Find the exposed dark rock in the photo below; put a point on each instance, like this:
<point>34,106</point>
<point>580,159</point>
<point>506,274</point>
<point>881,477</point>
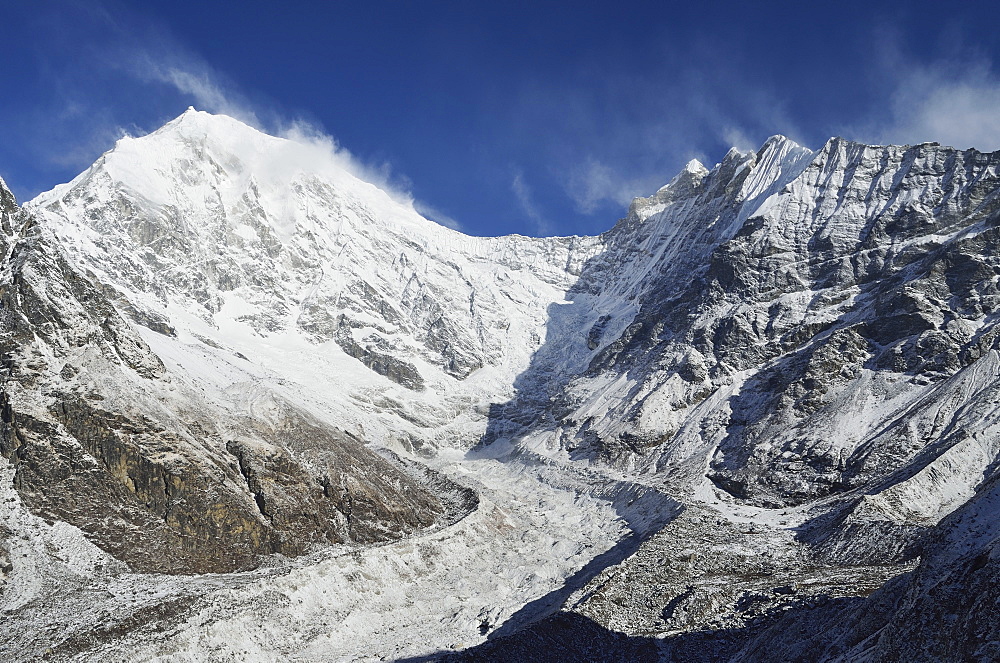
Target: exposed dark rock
<point>383,363</point>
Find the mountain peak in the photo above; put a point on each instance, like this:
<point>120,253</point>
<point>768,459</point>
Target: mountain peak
<point>695,167</point>
<point>199,156</point>
<point>223,129</point>
<point>779,140</point>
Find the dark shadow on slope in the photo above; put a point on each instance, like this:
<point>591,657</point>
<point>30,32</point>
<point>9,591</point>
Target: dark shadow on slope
<point>565,636</point>
<point>595,331</point>
<point>546,375</point>
<point>644,510</point>
<point>803,632</point>
<point>583,339</point>
<point>831,531</point>
<point>545,606</point>
<point>570,328</point>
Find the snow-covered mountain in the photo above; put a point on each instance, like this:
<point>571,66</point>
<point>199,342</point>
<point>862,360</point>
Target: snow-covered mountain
<point>100,433</point>
<point>220,235</point>
<point>761,395</point>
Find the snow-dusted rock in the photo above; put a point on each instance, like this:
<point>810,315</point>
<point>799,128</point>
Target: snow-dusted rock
<point>101,434</point>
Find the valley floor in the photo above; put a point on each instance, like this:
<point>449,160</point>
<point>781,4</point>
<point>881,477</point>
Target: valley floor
<point>543,537</point>
<point>538,533</point>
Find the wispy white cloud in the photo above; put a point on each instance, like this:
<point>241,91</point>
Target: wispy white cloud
<point>436,215</point>
<point>323,149</point>
<point>525,198</point>
<point>109,67</point>
<point>957,104</point>
<point>614,135</point>
<point>80,151</point>
<point>951,97</point>
<point>203,87</point>
<point>593,182</point>
<point>737,137</point>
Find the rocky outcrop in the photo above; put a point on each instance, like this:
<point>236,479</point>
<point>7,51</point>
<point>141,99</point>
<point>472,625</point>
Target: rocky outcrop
<point>132,489</point>
<point>384,363</point>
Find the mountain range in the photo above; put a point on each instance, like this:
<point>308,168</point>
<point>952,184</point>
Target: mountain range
<point>255,408</point>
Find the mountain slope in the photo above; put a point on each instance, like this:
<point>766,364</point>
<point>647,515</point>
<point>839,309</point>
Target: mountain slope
<point>102,435</point>
<point>812,357</point>
<point>268,247</point>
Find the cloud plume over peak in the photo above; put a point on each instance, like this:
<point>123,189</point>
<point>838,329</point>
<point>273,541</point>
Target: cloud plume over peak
<point>525,198</point>
<point>153,77</point>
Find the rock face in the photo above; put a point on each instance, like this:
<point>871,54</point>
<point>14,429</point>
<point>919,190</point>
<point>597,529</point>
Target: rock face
<point>814,333</point>
<point>100,435</point>
<point>816,287</point>
<point>790,357</point>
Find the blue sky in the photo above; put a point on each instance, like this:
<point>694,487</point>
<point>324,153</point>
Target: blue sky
<point>529,117</point>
